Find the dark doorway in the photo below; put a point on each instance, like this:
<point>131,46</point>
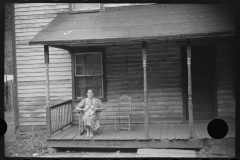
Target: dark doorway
<point>203,81</point>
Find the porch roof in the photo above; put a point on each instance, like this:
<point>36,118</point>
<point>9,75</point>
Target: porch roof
<point>139,23</point>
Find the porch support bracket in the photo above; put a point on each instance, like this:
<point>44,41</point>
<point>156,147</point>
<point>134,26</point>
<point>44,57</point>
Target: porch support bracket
<point>190,105</point>
<point>144,56</point>
<point>48,114</point>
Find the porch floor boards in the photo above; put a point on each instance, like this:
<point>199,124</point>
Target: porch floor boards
<point>156,131</point>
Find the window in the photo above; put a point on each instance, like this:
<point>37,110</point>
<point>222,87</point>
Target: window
<point>89,73</point>
<point>84,7</point>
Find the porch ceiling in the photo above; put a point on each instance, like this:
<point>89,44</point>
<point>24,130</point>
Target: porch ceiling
<point>153,22</point>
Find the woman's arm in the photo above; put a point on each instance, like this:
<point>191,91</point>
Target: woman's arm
<point>99,105</point>
<point>80,105</point>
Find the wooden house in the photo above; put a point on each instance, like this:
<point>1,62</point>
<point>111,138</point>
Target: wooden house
<point>176,61</point>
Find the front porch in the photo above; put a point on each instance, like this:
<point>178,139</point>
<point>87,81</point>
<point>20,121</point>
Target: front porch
<point>164,135</point>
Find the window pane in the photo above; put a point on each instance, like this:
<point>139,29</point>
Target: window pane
<point>93,59</point>
<point>88,81</point>
<point>98,86</point>
<point>88,65</point>
<point>98,81</point>
<point>80,92</point>
<point>97,69</point>
<point>98,92</point>
<point>80,81</point>
<point>79,59</point>
<point>80,70</point>
<point>89,69</point>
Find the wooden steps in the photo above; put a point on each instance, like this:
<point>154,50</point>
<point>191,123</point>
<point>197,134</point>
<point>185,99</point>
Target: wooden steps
<point>165,153</point>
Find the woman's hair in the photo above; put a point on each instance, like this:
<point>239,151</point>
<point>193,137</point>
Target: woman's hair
<point>90,90</point>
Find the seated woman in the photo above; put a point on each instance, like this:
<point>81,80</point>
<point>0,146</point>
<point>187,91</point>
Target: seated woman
<point>90,105</point>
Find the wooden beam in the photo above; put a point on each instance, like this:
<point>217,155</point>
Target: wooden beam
<point>46,54</point>
<point>61,47</point>
<point>191,143</point>
<point>73,76</point>
<point>215,102</point>
<point>15,86</point>
<point>233,61</point>
<point>190,106</point>
<point>184,82</point>
<point>144,56</point>
<point>48,114</point>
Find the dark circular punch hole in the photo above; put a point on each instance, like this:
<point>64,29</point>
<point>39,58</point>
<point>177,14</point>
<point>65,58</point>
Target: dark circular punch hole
<point>217,128</point>
<point>3,125</point>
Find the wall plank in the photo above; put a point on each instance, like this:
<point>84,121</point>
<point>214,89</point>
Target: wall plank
<point>226,101</point>
<point>30,19</point>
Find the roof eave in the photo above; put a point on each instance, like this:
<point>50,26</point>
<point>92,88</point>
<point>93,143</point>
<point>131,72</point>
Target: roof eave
<point>130,39</point>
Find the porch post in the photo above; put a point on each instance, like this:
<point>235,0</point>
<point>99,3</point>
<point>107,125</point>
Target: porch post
<point>144,55</point>
<point>48,114</point>
<point>190,106</point>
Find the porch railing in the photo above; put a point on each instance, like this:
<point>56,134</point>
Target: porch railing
<point>58,116</point>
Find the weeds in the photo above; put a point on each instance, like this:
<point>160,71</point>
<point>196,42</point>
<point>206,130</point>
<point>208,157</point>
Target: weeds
<point>36,145</point>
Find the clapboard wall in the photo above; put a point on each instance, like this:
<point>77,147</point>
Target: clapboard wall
<point>224,75</point>
<point>124,70</point>
<point>225,98</point>
<point>124,73</point>
<point>30,18</point>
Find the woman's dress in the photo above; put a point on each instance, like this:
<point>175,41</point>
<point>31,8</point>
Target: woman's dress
<point>90,117</point>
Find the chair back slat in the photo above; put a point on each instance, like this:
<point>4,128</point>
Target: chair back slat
<point>125,104</point>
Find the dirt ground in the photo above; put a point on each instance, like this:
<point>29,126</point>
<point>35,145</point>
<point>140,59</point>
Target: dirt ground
<point>9,118</point>
<point>13,145</point>
<point>32,147</point>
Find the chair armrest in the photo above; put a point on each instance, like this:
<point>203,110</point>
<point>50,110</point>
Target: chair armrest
<point>80,112</point>
<point>100,109</point>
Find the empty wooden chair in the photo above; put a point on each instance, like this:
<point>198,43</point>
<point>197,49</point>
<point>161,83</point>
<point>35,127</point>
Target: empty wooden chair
<point>124,111</point>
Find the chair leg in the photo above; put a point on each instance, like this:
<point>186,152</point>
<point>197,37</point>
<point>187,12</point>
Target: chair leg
<point>129,123</point>
<point>115,123</point>
<point>79,124</point>
<point>99,130</point>
<point>79,129</point>
<point>119,124</point>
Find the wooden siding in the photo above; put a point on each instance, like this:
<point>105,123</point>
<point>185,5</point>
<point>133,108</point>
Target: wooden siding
<point>164,81</point>
<point>124,69</point>
<point>225,99</point>
<point>29,20</point>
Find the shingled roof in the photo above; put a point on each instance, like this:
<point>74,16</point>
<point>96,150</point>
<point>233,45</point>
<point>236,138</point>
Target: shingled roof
<point>160,21</point>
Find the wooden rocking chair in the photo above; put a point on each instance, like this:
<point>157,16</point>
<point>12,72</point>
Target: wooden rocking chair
<point>81,126</point>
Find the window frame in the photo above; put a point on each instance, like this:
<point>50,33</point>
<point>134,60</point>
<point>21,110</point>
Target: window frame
<point>70,7</point>
<point>87,50</point>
